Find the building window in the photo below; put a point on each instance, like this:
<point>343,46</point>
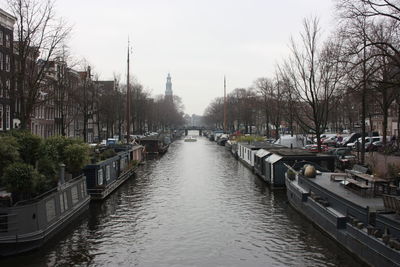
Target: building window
<point>8,40</point>
<point>8,63</point>
<point>1,61</point>
<point>1,38</point>
<point>1,88</point>
<point>1,117</point>
<point>8,117</point>
<point>7,88</point>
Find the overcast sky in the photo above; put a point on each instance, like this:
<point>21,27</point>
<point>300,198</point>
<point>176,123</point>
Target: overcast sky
<point>197,41</point>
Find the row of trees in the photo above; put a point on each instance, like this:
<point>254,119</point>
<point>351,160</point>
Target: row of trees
<point>338,82</point>
<point>41,65</point>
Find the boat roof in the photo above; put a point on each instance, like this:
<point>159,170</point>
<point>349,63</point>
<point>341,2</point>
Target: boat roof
<point>259,145</point>
<point>273,158</point>
<point>262,153</point>
<point>324,180</point>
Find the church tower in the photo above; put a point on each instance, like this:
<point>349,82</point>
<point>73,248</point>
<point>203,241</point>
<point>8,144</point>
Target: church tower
<point>168,89</point>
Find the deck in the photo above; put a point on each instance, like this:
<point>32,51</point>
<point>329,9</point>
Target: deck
<point>324,181</point>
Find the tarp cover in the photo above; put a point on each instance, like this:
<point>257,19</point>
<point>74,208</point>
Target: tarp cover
<point>273,158</point>
<point>261,153</point>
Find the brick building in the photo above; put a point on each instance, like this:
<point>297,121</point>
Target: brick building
<point>6,70</point>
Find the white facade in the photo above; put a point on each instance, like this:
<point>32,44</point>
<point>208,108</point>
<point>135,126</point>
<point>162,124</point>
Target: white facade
<point>246,154</point>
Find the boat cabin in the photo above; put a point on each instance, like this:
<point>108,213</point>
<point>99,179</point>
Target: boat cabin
<point>272,167</point>
<point>246,151</point>
<point>155,144</point>
<point>105,176</point>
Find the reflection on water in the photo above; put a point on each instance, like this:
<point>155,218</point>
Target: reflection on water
<point>195,206</point>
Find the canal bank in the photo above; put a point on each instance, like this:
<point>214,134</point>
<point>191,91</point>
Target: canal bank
<point>195,206</point>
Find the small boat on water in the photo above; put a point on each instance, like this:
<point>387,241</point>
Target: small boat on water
<point>190,139</point>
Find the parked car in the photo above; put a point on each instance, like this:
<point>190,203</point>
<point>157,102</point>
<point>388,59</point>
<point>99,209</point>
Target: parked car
<point>330,141</point>
<point>314,148</point>
<point>344,158</point>
<point>368,142</point>
<point>375,146</point>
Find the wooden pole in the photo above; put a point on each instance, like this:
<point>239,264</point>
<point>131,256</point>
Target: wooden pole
<point>128,102</point>
<point>224,104</point>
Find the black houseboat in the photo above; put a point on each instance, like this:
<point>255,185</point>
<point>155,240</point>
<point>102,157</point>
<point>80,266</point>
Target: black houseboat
<point>107,175</point>
<point>155,144</point>
<point>269,164</point>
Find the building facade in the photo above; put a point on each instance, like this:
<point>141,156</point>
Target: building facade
<point>7,22</point>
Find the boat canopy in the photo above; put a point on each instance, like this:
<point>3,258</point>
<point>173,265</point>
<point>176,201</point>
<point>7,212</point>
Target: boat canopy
<point>262,153</point>
<point>273,158</point>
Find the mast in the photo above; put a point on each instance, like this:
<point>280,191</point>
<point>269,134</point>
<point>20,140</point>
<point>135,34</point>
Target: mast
<point>128,102</point>
<point>224,104</point>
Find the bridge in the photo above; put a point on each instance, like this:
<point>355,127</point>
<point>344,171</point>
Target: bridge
<point>194,128</point>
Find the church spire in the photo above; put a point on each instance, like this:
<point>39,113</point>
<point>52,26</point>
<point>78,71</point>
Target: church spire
<point>168,88</point>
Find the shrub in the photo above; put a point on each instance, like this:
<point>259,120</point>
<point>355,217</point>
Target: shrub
<point>28,146</point>
<point>49,168</point>
<point>8,151</point>
<point>108,153</point>
<point>76,156</point>
<point>18,178</point>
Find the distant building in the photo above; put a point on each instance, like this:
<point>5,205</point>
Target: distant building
<point>168,89</point>
<point>7,22</point>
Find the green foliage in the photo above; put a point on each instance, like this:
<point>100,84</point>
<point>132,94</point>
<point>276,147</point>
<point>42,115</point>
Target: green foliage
<point>250,138</point>
<point>8,151</point>
<point>54,147</point>
<point>48,168</point>
<point>19,178</point>
<point>108,153</point>
<point>28,146</point>
<point>76,156</point>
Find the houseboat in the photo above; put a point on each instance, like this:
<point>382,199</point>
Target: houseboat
<point>246,151</point>
<point>105,176</point>
<point>269,164</point>
<point>357,210</point>
<point>27,225</point>
<point>155,144</point>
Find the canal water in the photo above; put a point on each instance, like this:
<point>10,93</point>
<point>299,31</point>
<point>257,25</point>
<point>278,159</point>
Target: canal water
<point>195,206</point>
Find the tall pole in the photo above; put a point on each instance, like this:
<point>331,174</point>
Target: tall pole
<point>128,102</point>
<point>224,104</point>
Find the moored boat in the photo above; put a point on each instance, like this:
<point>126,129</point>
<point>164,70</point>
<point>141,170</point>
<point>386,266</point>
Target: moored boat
<point>356,210</point>
<point>105,176</point>
<point>190,139</point>
<point>28,224</point>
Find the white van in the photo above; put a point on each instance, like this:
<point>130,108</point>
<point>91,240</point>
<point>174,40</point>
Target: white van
<point>291,141</point>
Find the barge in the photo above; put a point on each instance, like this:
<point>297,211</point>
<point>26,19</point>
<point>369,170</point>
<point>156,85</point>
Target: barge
<point>104,177</point>
<point>269,164</point>
<point>155,144</point>
<point>359,211</point>
<point>27,225</point>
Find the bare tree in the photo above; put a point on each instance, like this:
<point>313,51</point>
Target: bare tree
<point>314,71</point>
<point>39,35</point>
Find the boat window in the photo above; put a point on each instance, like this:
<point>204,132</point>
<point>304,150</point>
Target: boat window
<point>62,207</point>
<point>65,200</point>
<point>50,210</point>
<point>100,177</point>
<point>82,189</point>
<point>3,222</point>
<point>108,172</point>
<point>74,195</point>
